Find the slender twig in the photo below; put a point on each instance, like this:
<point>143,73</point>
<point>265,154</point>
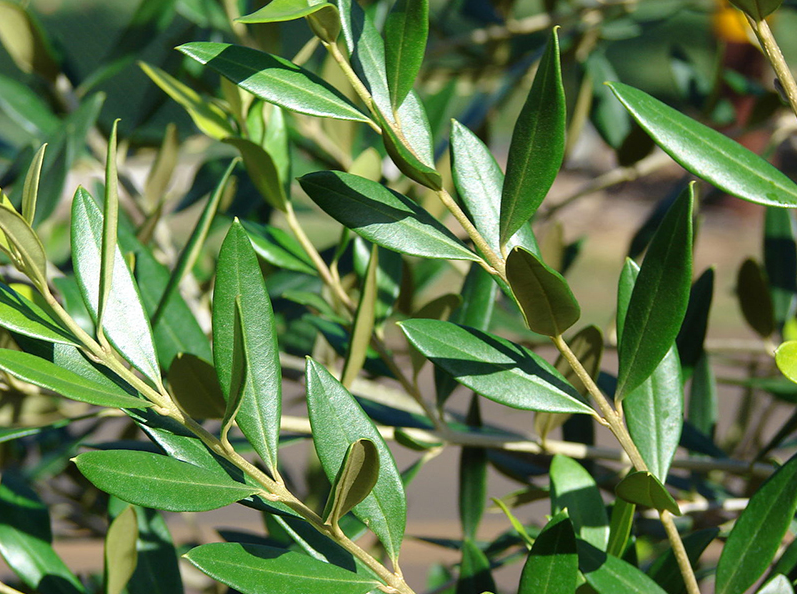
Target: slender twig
<point>6,589</point>
<point>776,60</point>
<point>680,553</point>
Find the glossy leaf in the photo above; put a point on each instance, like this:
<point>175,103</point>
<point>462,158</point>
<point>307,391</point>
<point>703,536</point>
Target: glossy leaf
<point>573,488</point>
<point>279,11</point>
<point>780,584</point>
<point>382,216</point>
<point>30,190</point>
<point>363,326</point>
<point>238,273</point>
<point>337,421</point>
<point>755,300</point>
<point>45,374</point>
<point>357,476</point>
<point>538,144</point>
<point>27,252</point>
<point>659,299</point>
<point>707,153</point>
<point>406,30</point>
<point>780,260</point>
<point>125,323</point>
<point>479,180</point>
<point>493,367</point>
<point>757,9</point>
<point>121,555</point>
<point>643,488</point>
<point>246,567</point>
<point>206,115</point>
<point>786,359</point>
<point>545,298</point>
<point>160,482</point>
<point>405,157</point>
<point>274,80</point>
<point>757,534</point>
<point>262,170</point>
<point>608,575</point>
<point>279,248</point>
<point>474,570</point>
<point>193,383</point>
<point>622,520</point>
<point>472,477</point>
<point>552,564</point>
<point>20,315</point>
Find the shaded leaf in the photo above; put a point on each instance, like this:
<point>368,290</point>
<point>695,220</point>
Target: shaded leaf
<point>609,575</point>
<point>693,330</point>
<point>357,476</point>
<point>755,300</point>
<point>474,571</point>
<point>406,30</point>
<point>363,326</point>
<point>664,570</point>
<point>552,564</point>
<point>262,170</point>
<point>27,252</point>
<point>121,555</point>
<point>472,478</point>
<point>780,261</point>
<point>194,385</point>
<point>643,488</point>
<point>620,525</point>
<point>279,248</point>
<point>757,9</point>
<point>573,488</point>
<point>30,190</point>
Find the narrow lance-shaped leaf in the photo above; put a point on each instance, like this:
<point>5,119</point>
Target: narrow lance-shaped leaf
<point>406,30</point>
<point>475,576</point>
<point>400,146</point>
<point>356,478</point>
<point>757,9</point>
<point>163,168</point>
<point>573,488</point>
<point>363,323</point>
<point>25,41</point>
<point>246,567</point>
<point>645,489</point>
<point>337,421</point>
<point>659,299</point>
<point>383,216</point>
<point>160,482</point>
<point>30,190</point>
<point>239,375</point>
<point>538,144</point>
<point>238,274</point>
<point>125,324</point>
<point>322,16</point>
<point>262,170</point>
<point>23,316</point>
<point>755,300</point>
<point>622,520</point>
<point>608,574</point>
<point>121,555</point>
<point>274,79</point>
<point>545,298</point>
<point>692,334</point>
<point>26,250</point>
<point>707,153</point>
<point>780,261</point>
<point>110,224</point>
<point>779,584</point>
<point>552,564</point>
<point>472,477</point>
<point>758,532</point>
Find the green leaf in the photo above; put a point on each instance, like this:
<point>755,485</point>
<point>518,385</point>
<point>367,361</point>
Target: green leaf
<point>125,323</point>
<point>404,155</point>
<point>193,383</point>
<point>25,42</point>
<point>363,326</point>
<point>655,409</point>
<point>28,110</point>
<point>25,317</point>
<point>388,278</point>
<point>274,80</point>
<point>279,248</point>
<point>160,482</point>
<point>573,488</point>
<point>664,570</point>
<point>755,300</point>
<point>757,9</point>
<point>337,421</point>
<point>780,261</point>
<point>643,488</point>
<point>25,540</point>
<point>322,16</point>
<point>472,477</point>
<point>406,30</point>
<point>693,330</point>
<point>479,180</point>
<point>493,367</point>
<point>545,298</point>
<point>707,153</point>
<point>474,571</point>
<point>110,225</point>
<point>382,216</point>
<point>121,556</point>
<point>160,175</point>
<point>27,252</point>
<point>239,370</point>
<point>552,564</point>
<point>246,567</point>
<point>538,144</point>
<point>703,408</point>
<point>45,374</point>
<point>206,115</point>
<point>620,525</point>
<point>517,524</point>
<point>30,190</point>
<point>262,170</point>
<point>238,273</point>
<point>786,359</point>
<point>609,575</point>
<point>356,478</point>
<point>659,299</point>
<point>758,532</point>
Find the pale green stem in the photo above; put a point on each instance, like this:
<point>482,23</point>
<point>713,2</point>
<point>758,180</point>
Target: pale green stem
<point>776,59</point>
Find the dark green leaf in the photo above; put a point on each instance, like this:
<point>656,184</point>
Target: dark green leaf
<point>358,474</point>
<point>755,300</point>
<point>238,273</point>
<point>405,156</point>
<point>479,180</point>
<point>780,261</point>
<point>757,9</point>
<point>363,326</point>
<point>25,317</point>
<point>160,482</point>
<point>121,555</point>
<point>708,153</point>
<point>388,277</point>
<point>494,367</point>
<point>545,298</point>
<point>703,408</point>
<point>125,323</point>
<point>193,384</point>
<point>472,478</point>
<point>538,144</point>
<point>609,575</point>
<point>643,488</point>
<point>30,190</point>
<point>758,532</point>
<point>382,216</point>
<point>664,570</point>
<point>620,525</point>
<point>246,567</point>
<point>338,421</point>
<point>279,248</point>
<point>45,374</point>
<point>23,105</point>
<point>552,565</point>
<point>274,80</point>
<point>659,299</point>
<point>573,488</point>
<point>693,330</point>
<point>474,571</point>
<point>262,170</point>
<point>406,30</point>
